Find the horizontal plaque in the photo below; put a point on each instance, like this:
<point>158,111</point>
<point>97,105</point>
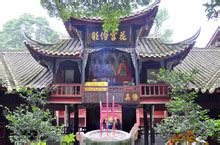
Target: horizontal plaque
<point>97,38</point>
<point>123,95</point>
<point>96,86</point>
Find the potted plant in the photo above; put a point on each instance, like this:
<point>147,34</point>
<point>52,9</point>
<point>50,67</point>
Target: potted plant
<point>188,122</point>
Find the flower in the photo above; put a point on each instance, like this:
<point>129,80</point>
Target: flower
<point>188,136</point>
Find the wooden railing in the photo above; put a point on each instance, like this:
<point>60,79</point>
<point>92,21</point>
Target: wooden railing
<point>94,94</point>
<point>153,90</point>
<point>76,90</point>
<point>66,90</point>
<point>122,88</point>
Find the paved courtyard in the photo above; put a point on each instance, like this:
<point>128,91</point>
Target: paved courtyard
<point>158,140</point>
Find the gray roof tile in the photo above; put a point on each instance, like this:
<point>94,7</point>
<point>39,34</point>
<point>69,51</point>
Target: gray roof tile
<point>24,70</point>
<point>64,47</point>
<point>207,62</point>
<point>155,48</point>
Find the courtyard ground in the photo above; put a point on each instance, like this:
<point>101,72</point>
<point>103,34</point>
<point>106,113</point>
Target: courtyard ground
<point>158,140</point>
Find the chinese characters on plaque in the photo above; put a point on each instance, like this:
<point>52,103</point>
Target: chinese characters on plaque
<point>97,38</point>
<point>131,97</point>
<point>104,36</point>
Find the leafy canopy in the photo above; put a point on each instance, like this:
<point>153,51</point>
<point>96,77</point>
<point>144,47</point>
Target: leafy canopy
<point>30,123</point>
<point>38,27</point>
<point>212,9</point>
<point>157,30</point>
<point>187,118</point>
<point>109,10</point>
<point>217,135</point>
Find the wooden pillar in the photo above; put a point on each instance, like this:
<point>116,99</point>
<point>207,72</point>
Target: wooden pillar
<point>146,127</point>
<point>128,117</point>
<point>152,137</point>
<point>138,116</point>
<point>53,69</point>
<point>92,118</point>
<point>135,63</point>
<point>67,118</point>
<point>165,114</point>
<point>76,121</point>
<point>76,118</point>
<point>84,62</point>
<point>57,118</point>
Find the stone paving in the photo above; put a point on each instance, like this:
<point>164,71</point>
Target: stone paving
<point>158,140</point>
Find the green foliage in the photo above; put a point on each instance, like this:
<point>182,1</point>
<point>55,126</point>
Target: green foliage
<point>39,143</point>
<point>218,130</point>
<point>38,27</point>
<point>69,138</point>
<point>157,31</point>
<point>212,9</point>
<point>162,16</point>
<point>1,82</point>
<point>166,35</point>
<point>34,97</point>
<point>109,11</point>
<point>186,115</point>
<point>179,82</point>
<point>30,123</point>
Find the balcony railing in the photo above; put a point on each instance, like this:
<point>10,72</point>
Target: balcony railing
<point>67,90</point>
<point>153,90</point>
<point>76,90</point>
<point>110,89</point>
<point>94,94</point>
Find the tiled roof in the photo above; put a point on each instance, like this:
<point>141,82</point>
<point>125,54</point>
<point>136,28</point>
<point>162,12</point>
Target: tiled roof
<point>1,68</point>
<point>155,48</point>
<point>215,39</point>
<point>2,71</point>
<point>146,47</point>
<point>207,62</point>
<point>64,47</point>
<point>21,69</point>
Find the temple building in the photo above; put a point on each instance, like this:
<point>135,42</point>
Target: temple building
<point>82,69</point>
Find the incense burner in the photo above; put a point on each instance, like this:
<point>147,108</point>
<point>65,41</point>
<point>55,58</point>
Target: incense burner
<point>110,137</point>
<point>116,137</point>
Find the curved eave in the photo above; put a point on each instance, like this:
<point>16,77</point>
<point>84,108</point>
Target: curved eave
<point>52,55</point>
<point>145,12</point>
<point>185,44</point>
<point>182,52</point>
<point>190,40</point>
<point>36,51</point>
